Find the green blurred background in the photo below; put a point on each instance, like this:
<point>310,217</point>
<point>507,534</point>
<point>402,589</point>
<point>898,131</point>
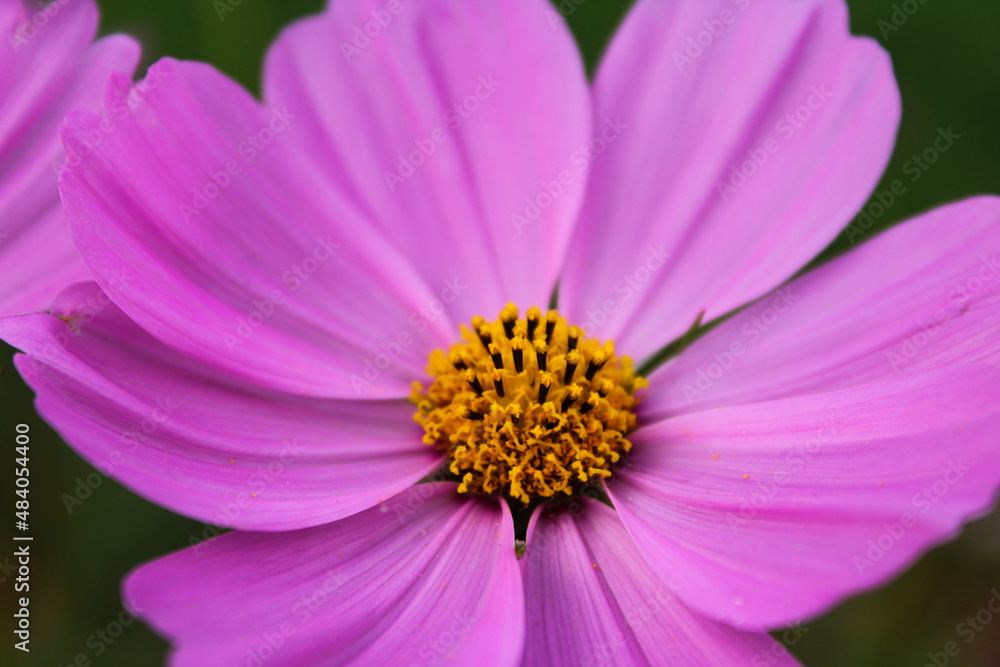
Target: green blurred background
<point>947,60</point>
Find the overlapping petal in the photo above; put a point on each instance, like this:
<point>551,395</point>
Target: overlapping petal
<point>425,578</point>
<point>203,443</point>
<point>47,66</point>
<point>262,268</point>
<point>456,126</point>
<point>923,295</point>
<point>593,600</point>
<point>750,134</point>
<point>215,236</point>
<point>768,513</point>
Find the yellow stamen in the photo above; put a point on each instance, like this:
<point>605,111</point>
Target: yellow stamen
<point>554,420</point>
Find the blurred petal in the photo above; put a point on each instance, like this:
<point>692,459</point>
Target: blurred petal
<point>48,67</point>
<point>593,600</point>
<point>440,123</point>
<point>765,514</point>
<point>923,295</point>
<point>214,236</point>
<point>782,83</point>
<point>424,578</point>
<point>201,442</point>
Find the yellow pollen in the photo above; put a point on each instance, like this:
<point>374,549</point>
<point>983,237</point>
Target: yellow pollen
<point>528,408</point>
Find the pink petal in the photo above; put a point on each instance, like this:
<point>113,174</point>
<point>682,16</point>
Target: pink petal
<point>215,236</point>
<point>923,295</point>
<point>47,66</point>
<point>768,513</point>
<point>369,102</point>
<point>424,578</point>
<point>658,243</point>
<point>201,442</point>
<point>593,600</point>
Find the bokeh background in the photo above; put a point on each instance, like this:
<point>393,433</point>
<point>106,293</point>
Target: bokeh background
<point>947,60</point>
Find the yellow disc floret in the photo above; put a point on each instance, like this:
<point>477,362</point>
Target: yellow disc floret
<point>528,408</point>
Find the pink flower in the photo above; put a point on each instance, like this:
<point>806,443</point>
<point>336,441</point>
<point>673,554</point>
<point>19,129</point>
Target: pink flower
<point>281,272</point>
<point>49,64</point>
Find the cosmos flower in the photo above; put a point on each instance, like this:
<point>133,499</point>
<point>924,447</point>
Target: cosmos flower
<point>49,64</point>
<point>341,292</point>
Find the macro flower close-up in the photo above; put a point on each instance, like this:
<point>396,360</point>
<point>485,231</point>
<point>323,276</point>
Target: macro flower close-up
<point>462,356</point>
<point>48,67</point>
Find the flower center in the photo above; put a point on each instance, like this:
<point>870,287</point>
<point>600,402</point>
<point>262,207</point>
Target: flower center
<point>528,408</point>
